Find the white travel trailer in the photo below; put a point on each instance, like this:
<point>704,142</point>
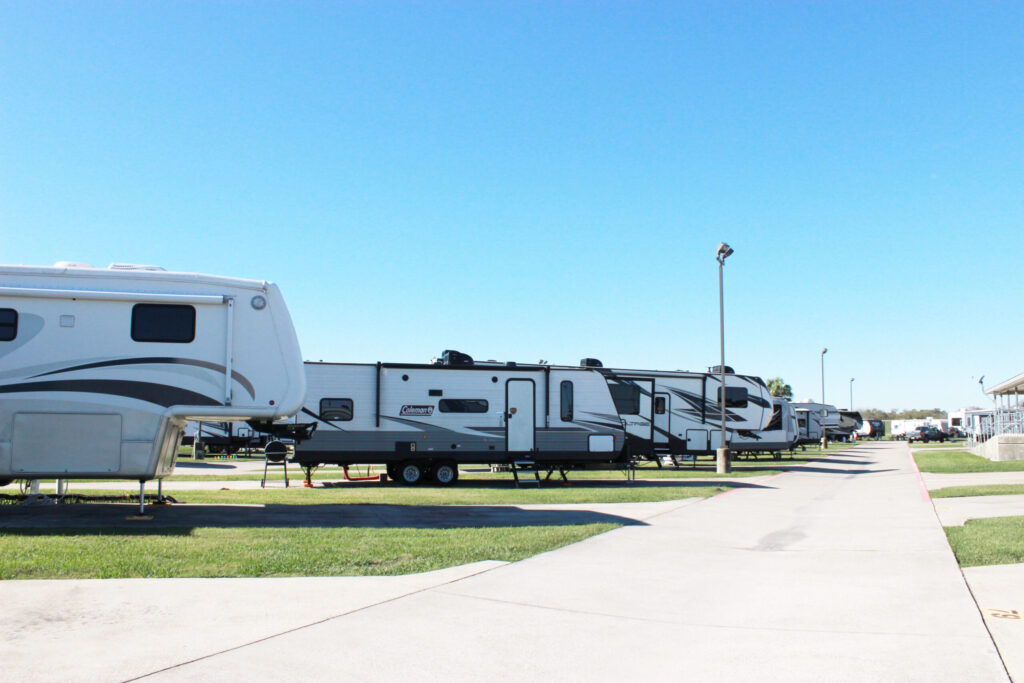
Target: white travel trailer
<point>780,434</point>
<point>422,421</point>
<point>101,367</point>
<point>811,416</point>
<point>679,413</point>
<point>872,429</point>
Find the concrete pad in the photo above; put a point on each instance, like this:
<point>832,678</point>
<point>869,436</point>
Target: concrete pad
<point>118,629</point>
<point>840,572</point>
<point>999,591</point>
<point>956,511</point>
<point>941,481</point>
<point>837,571</point>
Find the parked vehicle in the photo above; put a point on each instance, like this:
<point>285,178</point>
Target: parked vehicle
<point>812,416</point>
<point>678,413</point>
<point>423,421</point>
<point>781,432</point>
<point>872,429</point>
<point>925,434</point>
<point>102,367</point>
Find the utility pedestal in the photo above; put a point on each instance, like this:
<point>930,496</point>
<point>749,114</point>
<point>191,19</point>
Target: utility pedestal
<point>722,461</point>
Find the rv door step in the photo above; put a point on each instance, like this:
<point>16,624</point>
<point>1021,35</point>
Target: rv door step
<point>526,465</point>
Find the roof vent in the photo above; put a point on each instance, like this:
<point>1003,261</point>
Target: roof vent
<point>70,264</point>
<point>133,266</point>
<point>591,363</point>
<point>717,370</point>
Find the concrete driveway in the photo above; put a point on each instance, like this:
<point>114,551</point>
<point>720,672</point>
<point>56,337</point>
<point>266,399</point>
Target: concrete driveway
<point>837,571</point>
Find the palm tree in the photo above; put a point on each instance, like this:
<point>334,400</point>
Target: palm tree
<point>778,387</point>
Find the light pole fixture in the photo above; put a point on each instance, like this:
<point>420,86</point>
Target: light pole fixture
<point>824,410</point>
<point>851,393</point>
<point>723,252</point>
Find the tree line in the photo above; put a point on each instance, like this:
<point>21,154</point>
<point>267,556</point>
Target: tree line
<point>778,387</point>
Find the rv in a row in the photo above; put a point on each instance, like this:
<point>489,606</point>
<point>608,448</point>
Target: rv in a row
<point>100,368</point>
<point>426,420</point>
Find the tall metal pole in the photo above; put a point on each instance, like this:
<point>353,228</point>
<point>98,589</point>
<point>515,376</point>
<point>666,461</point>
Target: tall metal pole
<point>722,454</point>
<point>824,410</point>
<point>851,393</point>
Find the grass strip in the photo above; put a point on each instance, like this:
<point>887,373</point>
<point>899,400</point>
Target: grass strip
<point>217,552</point>
<point>982,490</point>
<point>956,462</point>
<point>980,542</point>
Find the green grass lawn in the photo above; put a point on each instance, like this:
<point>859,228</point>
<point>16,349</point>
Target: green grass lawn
<point>986,490</point>
<point>999,540</point>
<point>954,462</point>
<point>209,552</point>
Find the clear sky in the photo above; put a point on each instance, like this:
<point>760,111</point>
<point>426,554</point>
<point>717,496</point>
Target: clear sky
<point>536,180</point>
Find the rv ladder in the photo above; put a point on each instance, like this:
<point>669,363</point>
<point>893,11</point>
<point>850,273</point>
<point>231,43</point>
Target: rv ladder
<point>526,465</point>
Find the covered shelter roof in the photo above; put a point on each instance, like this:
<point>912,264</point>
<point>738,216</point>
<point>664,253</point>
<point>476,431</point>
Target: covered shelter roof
<point>1010,387</point>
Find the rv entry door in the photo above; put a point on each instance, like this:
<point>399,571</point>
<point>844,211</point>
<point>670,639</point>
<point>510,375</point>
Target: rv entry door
<point>662,419</point>
<point>520,421</point>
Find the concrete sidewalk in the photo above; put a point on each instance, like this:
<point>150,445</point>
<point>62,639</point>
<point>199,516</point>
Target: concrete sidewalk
<point>837,572</point>
<point>956,511</point>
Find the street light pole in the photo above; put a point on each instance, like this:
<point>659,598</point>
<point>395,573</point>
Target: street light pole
<point>722,453</point>
<point>824,410</point>
<point>851,394</point>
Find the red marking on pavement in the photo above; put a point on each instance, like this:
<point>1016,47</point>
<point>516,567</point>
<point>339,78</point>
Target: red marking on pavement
<point>920,480</point>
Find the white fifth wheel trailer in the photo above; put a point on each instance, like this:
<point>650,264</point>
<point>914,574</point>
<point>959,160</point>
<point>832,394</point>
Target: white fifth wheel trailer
<point>101,367</point>
<point>780,434</point>
<point>422,421</point>
<point>679,413</point>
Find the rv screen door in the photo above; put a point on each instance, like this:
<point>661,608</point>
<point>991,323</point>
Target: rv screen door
<point>662,419</point>
<point>520,420</point>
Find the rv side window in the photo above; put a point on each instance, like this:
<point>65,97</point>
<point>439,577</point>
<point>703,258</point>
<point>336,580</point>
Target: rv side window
<point>163,323</point>
<point>735,397</point>
<point>659,405</point>
<point>776,421</point>
<point>566,389</point>
<point>626,398</point>
<point>8,324</point>
<point>336,409</point>
<point>462,405</point>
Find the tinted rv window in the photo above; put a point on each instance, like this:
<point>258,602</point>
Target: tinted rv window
<point>8,324</point>
<point>163,323</point>
<point>776,421</point>
<point>566,390</point>
<point>626,398</point>
<point>659,405</point>
<point>336,409</point>
<point>735,397</point>
<point>462,405</point>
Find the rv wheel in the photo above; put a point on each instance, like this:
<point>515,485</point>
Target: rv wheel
<point>394,471</point>
<point>5,482</point>
<point>411,473</point>
<point>446,473</point>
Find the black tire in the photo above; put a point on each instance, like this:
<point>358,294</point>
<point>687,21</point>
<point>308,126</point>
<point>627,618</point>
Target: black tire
<point>445,473</point>
<point>411,473</point>
<point>394,471</point>
<point>5,482</point>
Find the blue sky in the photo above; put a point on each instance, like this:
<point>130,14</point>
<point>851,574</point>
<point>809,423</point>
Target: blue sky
<point>527,181</point>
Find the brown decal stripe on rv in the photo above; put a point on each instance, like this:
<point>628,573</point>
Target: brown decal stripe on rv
<point>158,360</point>
<point>160,394</point>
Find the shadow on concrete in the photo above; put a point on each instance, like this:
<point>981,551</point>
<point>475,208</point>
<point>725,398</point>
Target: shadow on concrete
<point>96,518</point>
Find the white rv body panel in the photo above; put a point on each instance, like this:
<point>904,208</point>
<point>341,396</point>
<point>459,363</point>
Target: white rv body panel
<point>808,425</point>
<point>689,419</point>
<point>779,434</point>
<point>392,413</point>
<point>150,348</point>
